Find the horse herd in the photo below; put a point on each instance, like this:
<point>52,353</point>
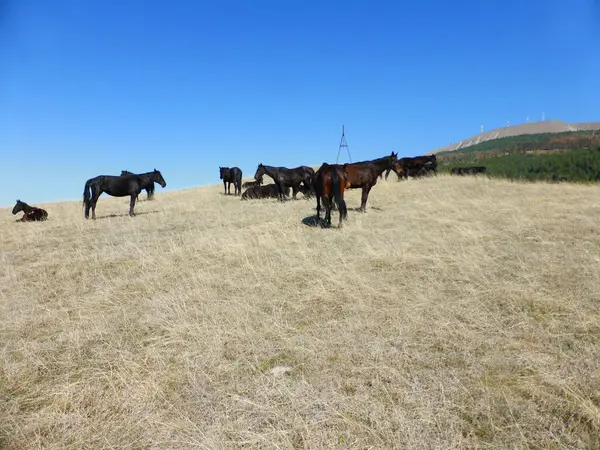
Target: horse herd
<point>327,184</point>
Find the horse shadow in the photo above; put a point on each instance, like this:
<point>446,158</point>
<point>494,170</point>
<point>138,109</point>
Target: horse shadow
<point>357,209</point>
<point>312,221</point>
<point>125,215</point>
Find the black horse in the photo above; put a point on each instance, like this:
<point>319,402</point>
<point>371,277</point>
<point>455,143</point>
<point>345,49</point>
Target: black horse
<point>266,191</point>
<point>32,213</point>
<point>415,167</point>
<point>231,175</point>
<point>117,187</point>
<point>474,170</point>
<point>284,178</point>
<point>147,182</point>
<point>248,184</point>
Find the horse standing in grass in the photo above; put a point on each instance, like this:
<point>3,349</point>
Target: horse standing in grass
<point>364,174</point>
<point>284,178</point>
<point>32,213</point>
<point>231,175</point>
<point>117,187</point>
<point>147,182</point>
<point>331,180</point>
<point>415,166</point>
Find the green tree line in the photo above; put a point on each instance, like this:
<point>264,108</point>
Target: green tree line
<point>571,156</point>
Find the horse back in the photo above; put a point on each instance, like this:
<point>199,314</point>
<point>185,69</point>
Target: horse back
<point>120,186</point>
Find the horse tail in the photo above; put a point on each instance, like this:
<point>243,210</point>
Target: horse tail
<point>337,189</point>
<point>87,192</point>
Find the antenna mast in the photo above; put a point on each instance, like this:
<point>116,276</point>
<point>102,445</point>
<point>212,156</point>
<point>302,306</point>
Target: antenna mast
<point>343,143</point>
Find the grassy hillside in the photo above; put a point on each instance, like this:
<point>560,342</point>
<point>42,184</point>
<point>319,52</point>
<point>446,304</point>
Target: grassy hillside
<point>457,312</point>
<point>573,156</point>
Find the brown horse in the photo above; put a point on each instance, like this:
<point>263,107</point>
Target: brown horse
<point>330,183</point>
<point>364,174</point>
<point>32,213</point>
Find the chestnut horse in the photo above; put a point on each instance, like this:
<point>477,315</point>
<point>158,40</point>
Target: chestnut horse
<point>364,174</point>
<point>330,183</point>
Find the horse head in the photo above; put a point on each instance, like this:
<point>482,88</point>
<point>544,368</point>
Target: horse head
<point>158,178</point>
<point>18,207</point>
<point>260,171</point>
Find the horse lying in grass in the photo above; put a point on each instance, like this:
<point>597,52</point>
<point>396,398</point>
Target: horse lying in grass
<point>331,180</point>
<point>266,191</point>
<point>248,184</point>
<point>32,213</point>
<point>117,187</point>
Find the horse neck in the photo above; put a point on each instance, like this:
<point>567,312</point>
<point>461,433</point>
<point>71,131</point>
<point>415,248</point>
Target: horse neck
<point>26,208</point>
<point>269,170</point>
<point>382,164</point>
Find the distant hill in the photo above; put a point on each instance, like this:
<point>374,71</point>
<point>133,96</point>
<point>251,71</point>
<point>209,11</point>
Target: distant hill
<point>547,126</point>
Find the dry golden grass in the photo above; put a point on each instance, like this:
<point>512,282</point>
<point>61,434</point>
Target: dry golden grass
<point>456,313</point>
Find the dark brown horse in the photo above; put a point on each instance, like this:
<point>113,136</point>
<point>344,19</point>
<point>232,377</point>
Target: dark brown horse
<point>364,174</point>
<point>415,167</point>
<point>330,183</point>
<point>284,178</point>
<point>266,191</point>
<point>32,214</point>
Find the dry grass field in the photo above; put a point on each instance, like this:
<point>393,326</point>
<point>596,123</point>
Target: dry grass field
<point>455,313</point>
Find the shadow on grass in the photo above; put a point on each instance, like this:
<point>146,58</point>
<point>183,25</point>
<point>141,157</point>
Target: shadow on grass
<point>357,209</point>
<point>312,221</point>
<point>124,215</point>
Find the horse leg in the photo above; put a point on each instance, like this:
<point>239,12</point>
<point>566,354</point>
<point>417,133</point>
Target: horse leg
<point>279,190</point>
<point>318,206</point>
<point>328,205</point>
<point>294,191</point>
<point>225,187</point>
<point>364,197</point>
<point>96,192</point>
<point>342,210</point>
<point>132,204</point>
<point>87,209</point>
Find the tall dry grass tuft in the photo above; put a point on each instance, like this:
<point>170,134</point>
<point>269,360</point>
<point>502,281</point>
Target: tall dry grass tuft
<point>457,312</point>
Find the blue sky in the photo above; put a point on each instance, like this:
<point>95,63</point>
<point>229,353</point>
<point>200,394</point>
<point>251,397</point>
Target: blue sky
<point>91,87</point>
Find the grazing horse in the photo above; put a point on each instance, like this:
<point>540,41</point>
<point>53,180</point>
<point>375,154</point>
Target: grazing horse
<point>364,174</point>
<point>231,175</point>
<point>147,182</point>
<point>416,166</point>
<point>31,212</point>
<point>248,184</point>
<point>331,180</point>
<point>284,177</point>
<point>266,191</point>
<point>117,187</point>
<point>474,170</point>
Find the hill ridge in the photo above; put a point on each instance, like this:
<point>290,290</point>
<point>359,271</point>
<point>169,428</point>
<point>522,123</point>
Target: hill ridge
<point>546,126</point>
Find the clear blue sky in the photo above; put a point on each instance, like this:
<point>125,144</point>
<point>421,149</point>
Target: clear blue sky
<point>90,87</point>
